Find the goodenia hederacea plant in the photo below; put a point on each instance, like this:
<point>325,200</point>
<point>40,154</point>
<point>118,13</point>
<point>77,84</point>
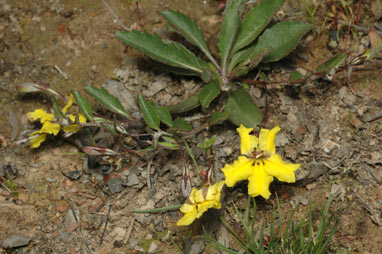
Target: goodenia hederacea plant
<point>243,45</point>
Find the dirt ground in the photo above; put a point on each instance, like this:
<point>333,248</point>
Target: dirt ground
<point>333,129</point>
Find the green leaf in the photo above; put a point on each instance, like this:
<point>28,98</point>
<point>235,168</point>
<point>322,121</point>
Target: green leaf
<point>247,59</point>
<point>228,31</point>
<point>188,29</point>
<point>208,93</point>
<point>254,23</point>
<point>165,116</point>
<point>242,109</point>
<point>149,113</point>
<point>56,109</point>
<point>182,125</point>
<point>185,105</point>
<point>171,53</point>
<point>108,100</point>
<point>332,63</point>
<point>84,105</point>
<point>282,38</point>
<point>295,75</point>
<point>207,142</point>
<point>217,117</point>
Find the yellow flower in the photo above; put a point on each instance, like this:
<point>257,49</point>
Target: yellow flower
<point>40,114</point>
<point>37,137</point>
<point>199,202</point>
<point>36,141</point>
<point>259,164</point>
<point>74,127</point>
<point>68,104</point>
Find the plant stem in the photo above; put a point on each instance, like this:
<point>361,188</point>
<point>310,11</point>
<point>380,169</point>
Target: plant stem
<point>158,210</point>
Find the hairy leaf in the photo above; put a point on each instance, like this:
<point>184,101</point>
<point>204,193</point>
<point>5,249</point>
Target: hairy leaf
<point>208,93</point>
<point>182,125</point>
<point>188,29</point>
<point>185,105</point>
<point>108,100</point>
<point>217,117</point>
<point>282,38</point>
<point>332,63</point>
<point>165,116</point>
<point>84,105</point>
<point>150,115</point>
<point>228,31</point>
<point>242,109</point>
<point>247,59</point>
<point>171,53</point>
<point>254,23</point>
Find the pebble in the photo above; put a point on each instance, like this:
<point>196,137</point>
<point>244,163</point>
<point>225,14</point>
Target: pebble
<point>126,98</point>
<point>197,247</point>
<point>132,179</point>
<point>154,247</point>
<point>115,185</point>
<point>15,241</point>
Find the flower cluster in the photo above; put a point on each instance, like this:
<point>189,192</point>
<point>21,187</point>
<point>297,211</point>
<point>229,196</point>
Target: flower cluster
<point>50,125</point>
<point>259,164</point>
<point>200,201</point>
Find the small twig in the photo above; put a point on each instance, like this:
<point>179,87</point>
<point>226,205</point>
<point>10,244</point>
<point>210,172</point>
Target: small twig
<point>129,230</point>
<point>106,222</point>
<point>116,19</point>
<point>158,210</point>
<point>64,74</point>
<point>148,173</point>
<point>75,215</point>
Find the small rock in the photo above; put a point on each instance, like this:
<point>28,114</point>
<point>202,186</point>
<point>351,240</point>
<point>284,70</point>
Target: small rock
<point>132,179</point>
<point>282,140</point>
<point>70,223</point>
<point>372,116</point>
<point>154,88</point>
<point>310,173</point>
<point>197,247</point>
<point>347,97</point>
<point>154,247</point>
<point>339,191</point>
<point>329,146</point>
<point>122,74</point>
<point>376,158</point>
<point>299,199</point>
<point>15,241</point>
<point>124,96</point>
<point>115,185</point>
<point>256,92</point>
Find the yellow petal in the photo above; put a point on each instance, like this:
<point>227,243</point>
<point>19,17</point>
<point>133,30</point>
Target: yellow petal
<point>259,181</point>
<point>81,118</point>
<point>50,128</point>
<point>36,142</point>
<point>214,191</point>
<point>187,219</point>
<point>71,128</point>
<point>247,142</point>
<point>267,139</point>
<point>187,208</point>
<point>68,105</point>
<point>241,169</point>
<point>209,193</point>
<point>40,114</point>
<point>203,207</point>
<point>278,168</point>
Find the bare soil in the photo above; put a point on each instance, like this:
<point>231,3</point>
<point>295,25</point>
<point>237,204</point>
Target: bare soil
<point>333,129</point>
